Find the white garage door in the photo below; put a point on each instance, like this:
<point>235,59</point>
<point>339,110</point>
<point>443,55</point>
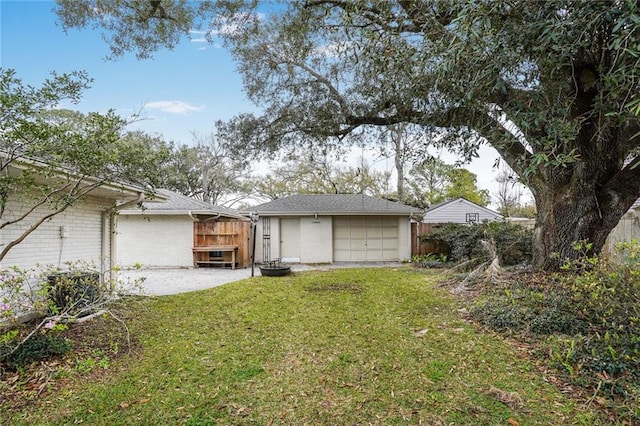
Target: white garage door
<point>365,239</point>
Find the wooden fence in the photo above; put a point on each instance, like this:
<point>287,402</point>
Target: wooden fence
<point>221,238</point>
<point>417,246</point>
<point>627,229</point>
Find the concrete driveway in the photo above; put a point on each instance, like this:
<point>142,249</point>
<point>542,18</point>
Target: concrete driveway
<point>165,281</point>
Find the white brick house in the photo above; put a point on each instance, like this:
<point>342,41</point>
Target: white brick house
<point>82,232</point>
<point>162,234</point>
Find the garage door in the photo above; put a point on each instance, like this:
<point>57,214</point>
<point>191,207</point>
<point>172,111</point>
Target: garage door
<point>365,238</point>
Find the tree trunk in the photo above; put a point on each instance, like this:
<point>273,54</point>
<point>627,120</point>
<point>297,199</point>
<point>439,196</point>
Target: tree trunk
<point>571,215</point>
<point>400,183</point>
<point>399,157</point>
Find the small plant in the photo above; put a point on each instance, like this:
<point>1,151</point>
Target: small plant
<point>40,346</point>
<point>431,260</point>
<point>97,359</point>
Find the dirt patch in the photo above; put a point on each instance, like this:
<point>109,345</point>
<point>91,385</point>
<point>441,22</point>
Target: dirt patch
<point>335,287</point>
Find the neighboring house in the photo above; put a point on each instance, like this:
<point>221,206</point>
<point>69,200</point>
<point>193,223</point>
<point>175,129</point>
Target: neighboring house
<point>164,234</point>
<point>82,232</point>
<point>333,228</point>
<point>459,211</point>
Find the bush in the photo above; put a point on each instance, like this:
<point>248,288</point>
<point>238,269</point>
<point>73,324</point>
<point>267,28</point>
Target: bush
<point>73,291</point>
<point>39,347</point>
<point>463,242</point>
<point>531,309</point>
<point>607,294</point>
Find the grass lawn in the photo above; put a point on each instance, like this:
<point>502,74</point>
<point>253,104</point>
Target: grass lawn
<point>352,346</point>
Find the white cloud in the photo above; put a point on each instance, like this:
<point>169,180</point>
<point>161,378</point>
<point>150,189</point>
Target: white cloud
<point>199,40</point>
<point>174,107</point>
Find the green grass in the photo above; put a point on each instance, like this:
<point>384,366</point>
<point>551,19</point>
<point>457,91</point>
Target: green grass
<point>360,346</point>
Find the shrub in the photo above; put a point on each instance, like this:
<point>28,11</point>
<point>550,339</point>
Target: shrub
<point>73,291</point>
<point>531,309</point>
<point>607,295</point>
<point>463,242</point>
<point>38,347</point>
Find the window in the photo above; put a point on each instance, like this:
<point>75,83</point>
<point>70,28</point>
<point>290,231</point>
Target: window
<point>473,217</point>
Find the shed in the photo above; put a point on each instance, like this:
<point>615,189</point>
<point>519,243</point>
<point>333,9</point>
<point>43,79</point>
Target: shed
<point>182,232</point>
<point>330,228</point>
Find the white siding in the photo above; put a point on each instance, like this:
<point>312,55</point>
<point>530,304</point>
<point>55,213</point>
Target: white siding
<point>154,241</point>
<point>48,245</point>
<point>404,238</point>
<point>313,242</point>
<point>456,212</point>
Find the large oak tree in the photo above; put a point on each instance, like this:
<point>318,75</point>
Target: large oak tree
<point>551,85</point>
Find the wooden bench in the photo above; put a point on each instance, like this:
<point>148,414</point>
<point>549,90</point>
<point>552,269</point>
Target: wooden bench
<point>203,255</point>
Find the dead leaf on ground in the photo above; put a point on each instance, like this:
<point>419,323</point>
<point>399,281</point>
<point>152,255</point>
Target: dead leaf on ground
<point>510,399</point>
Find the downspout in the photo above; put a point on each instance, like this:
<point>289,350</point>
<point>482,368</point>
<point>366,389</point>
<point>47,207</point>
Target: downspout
<point>109,232</point>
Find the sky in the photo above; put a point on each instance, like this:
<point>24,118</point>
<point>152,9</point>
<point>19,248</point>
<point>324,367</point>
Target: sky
<point>179,92</point>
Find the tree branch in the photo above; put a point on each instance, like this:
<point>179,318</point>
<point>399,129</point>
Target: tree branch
<point>42,201</point>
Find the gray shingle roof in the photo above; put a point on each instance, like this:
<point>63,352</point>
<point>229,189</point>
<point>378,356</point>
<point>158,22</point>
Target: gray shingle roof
<point>334,204</point>
<point>179,203</point>
<point>444,203</point>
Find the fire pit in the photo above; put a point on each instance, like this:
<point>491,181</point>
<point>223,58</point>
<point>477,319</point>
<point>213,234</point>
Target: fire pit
<point>275,268</point>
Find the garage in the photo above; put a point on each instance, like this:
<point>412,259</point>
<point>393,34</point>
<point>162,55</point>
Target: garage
<point>326,228</point>
<point>365,239</point>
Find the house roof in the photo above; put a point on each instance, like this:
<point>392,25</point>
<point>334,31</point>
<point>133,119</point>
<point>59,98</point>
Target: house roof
<point>333,204</point>
<point>106,189</point>
<point>442,205</point>
<point>178,204</point>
